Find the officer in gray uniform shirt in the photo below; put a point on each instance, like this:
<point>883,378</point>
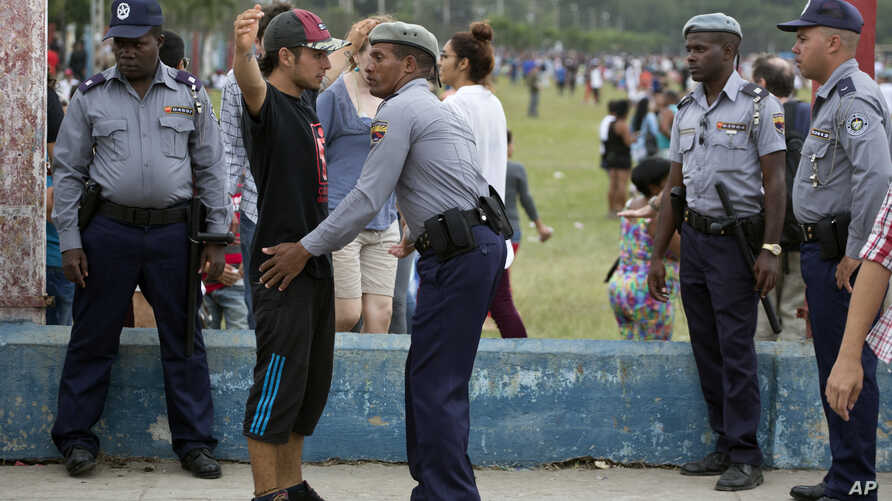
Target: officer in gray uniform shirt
<point>427,154</point>
<point>140,130</point>
<point>843,176</point>
<point>732,131</point>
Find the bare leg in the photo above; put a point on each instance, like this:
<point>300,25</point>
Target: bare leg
<point>376,312</point>
<point>289,462</point>
<point>264,462</point>
<point>347,313</point>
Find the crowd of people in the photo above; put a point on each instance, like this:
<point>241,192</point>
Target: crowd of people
<point>347,189</point>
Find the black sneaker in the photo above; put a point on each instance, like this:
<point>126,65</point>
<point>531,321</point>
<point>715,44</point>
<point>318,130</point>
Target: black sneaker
<point>303,492</point>
<point>714,463</point>
<point>740,477</point>
<point>201,463</point>
<point>807,492</point>
<point>79,461</point>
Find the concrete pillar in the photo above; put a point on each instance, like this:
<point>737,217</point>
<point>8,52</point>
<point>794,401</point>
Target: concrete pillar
<point>22,152</point>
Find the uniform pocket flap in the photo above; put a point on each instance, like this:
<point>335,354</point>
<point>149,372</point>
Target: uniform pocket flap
<point>178,124</point>
<point>107,127</point>
<point>685,142</point>
<point>817,148</point>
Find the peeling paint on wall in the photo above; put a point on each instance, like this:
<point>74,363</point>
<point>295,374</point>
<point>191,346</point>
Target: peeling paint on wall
<point>22,144</point>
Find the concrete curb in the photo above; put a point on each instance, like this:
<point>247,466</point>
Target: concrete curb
<point>534,401</point>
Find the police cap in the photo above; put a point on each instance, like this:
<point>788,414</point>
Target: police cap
<point>832,13</point>
<point>715,22</point>
<point>133,18</point>
<point>412,35</point>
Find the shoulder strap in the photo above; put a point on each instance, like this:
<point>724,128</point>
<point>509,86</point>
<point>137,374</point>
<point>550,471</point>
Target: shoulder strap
<point>90,83</point>
<point>845,87</point>
<point>757,93</point>
<point>685,101</point>
<point>189,79</point>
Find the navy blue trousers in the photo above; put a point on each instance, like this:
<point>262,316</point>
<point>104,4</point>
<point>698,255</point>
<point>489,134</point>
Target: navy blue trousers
<point>719,298</point>
<point>453,299</point>
<point>120,257</point>
<point>853,444</point>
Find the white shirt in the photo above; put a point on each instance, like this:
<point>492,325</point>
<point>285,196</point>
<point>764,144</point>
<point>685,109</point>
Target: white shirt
<point>595,78</point>
<point>483,111</point>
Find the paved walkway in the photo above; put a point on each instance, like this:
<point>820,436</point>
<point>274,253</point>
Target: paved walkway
<point>165,480</point>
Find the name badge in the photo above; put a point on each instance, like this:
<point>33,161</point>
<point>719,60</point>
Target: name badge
<point>731,127</point>
<point>820,134</point>
<point>179,110</point>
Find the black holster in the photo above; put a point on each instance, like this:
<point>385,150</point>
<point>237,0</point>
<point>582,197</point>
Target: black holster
<point>89,204</point>
<point>450,234</point>
<point>496,215</point>
<point>678,202</point>
<point>754,230</point>
<point>832,233</point>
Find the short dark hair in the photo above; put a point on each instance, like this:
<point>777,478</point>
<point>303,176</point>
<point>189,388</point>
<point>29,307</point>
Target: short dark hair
<point>173,50</point>
<point>621,108</point>
<point>777,73</point>
<point>426,63</point>
<point>649,172</point>
<point>270,60</point>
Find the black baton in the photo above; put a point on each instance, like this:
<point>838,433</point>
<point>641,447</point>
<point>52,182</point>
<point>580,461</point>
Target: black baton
<point>197,238</point>
<point>747,252</point>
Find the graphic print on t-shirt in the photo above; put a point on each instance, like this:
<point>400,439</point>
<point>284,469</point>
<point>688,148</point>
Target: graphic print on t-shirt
<point>321,169</point>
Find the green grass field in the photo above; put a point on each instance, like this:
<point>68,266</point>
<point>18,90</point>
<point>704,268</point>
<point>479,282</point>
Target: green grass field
<point>559,286</point>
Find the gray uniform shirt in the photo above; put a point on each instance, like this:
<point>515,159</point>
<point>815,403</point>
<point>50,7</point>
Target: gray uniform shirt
<point>717,143</point>
<point>845,164</point>
<point>421,148</point>
<point>141,152</point>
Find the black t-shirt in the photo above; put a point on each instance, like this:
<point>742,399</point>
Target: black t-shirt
<point>286,151</point>
<point>54,115</point>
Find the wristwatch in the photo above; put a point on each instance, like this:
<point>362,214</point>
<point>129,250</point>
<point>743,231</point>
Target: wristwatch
<point>773,248</point>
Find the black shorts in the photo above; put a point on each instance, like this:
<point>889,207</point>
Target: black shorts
<point>295,349</point>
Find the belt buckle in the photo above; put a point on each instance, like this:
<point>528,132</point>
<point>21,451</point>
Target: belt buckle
<point>141,217</point>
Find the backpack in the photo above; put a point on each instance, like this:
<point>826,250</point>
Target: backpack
<point>798,118</point>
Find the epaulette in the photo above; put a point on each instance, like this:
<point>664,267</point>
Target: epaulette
<point>845,87</point>
<point>685,101</point>
<point>91,82</point>
<point>754,91</point>
<point>187,78</point>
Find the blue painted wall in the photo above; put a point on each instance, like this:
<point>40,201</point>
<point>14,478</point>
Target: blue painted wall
<point>533,401</point>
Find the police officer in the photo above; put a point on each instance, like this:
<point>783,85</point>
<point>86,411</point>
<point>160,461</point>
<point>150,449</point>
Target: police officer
<point>731,131</point>
<point>843,176</point>
<point>427,154</point>
<point>141,131</point>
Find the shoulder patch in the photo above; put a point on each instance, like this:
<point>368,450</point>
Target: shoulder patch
<point>778,119</point>
<point>754,91</point>
<point>685,101</point>
<point>857,124</point>
<point>845,86</point>
<point>184,77</point>
<point>91,82</point>
<point>378,130</point>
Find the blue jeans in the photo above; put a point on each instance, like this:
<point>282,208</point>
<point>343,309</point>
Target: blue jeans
<point>228,303</point>
<point>63,291</point>
<point>246,229</point>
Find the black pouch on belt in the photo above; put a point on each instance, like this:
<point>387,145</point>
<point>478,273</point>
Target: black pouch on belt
<point>833,234</point>
<point>497,216</point>
<point>450,234</point>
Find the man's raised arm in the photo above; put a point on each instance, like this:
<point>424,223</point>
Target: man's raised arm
<point>244,64</point>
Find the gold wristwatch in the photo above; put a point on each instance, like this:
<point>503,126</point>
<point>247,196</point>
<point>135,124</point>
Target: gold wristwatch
<point>773,248</point>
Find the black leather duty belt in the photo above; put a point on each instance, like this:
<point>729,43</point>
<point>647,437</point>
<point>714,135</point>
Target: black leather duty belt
<point>142,217</point>
<point>712,225</point>
<point>809,232</point>
<point>474,217</point>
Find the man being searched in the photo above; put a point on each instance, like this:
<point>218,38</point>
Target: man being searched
<point>285,147</point>
<point>426,153</point>
<point>726,131</point>
<point>843,176</point>
<point>141,131</point>
<point>777,77</point>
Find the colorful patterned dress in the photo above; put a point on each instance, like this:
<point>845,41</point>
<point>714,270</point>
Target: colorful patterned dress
<point>639,316</point>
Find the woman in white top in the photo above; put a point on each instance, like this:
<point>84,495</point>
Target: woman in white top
<point>465,64</point>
